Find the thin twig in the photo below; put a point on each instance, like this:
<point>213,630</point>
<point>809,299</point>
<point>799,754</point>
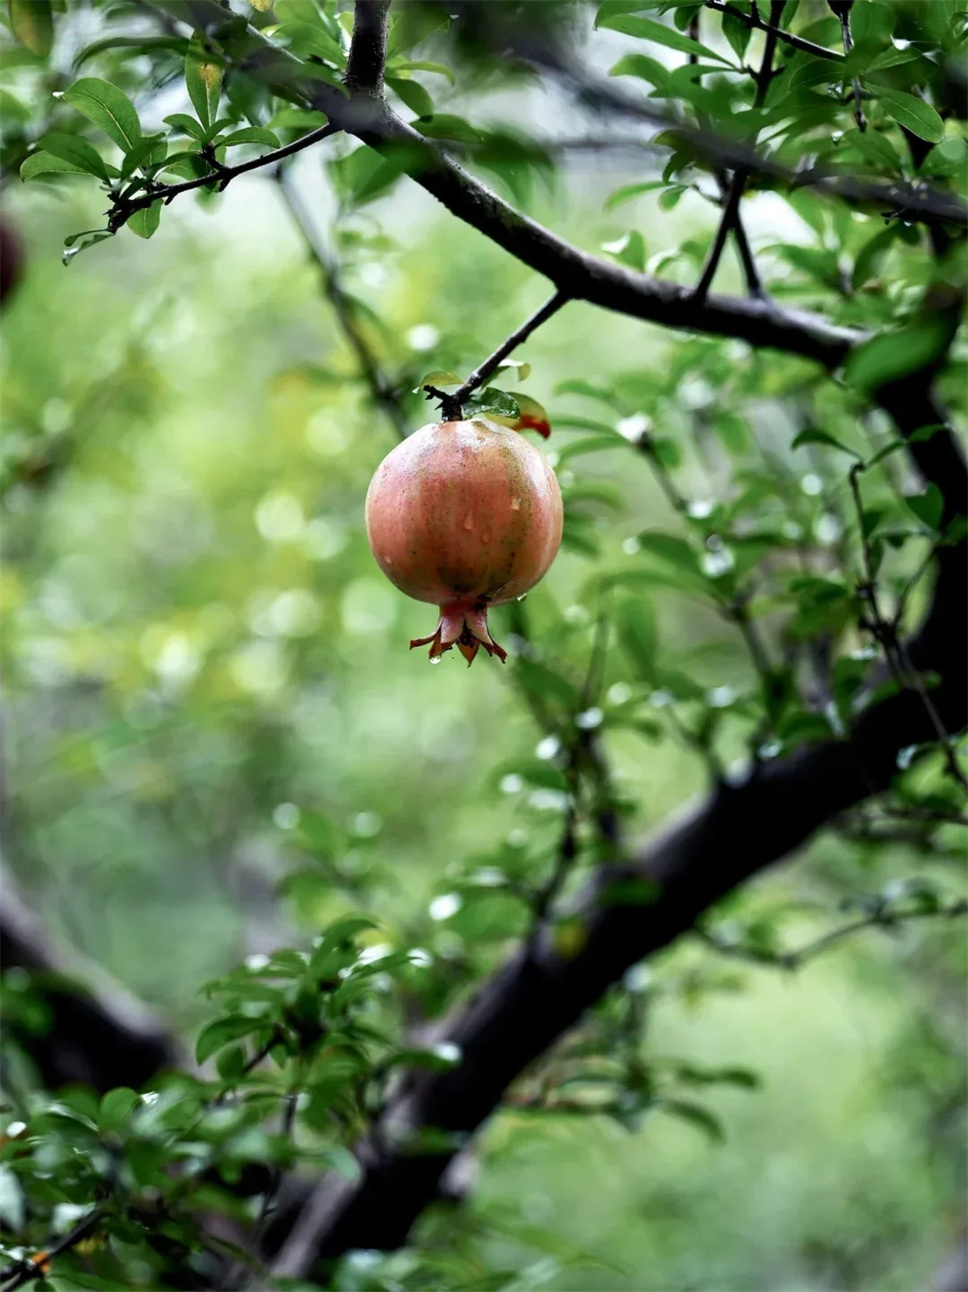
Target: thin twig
<point>756,23</point>
<point>520,334</point>
<point>730,216</point>
<point>793,959</point>
<point>842,9</point>
<point>124,207</point>
<point>884,633</point>
<point>382,391</point>
<point>36,1266</point>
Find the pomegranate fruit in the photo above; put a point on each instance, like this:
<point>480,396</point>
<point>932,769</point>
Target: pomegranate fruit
<point>465,515</point>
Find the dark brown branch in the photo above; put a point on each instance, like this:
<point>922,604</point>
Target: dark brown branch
<point>730,219</point>
<point>98,1034</point>
<point>755,23</point>
<point>368,52</point>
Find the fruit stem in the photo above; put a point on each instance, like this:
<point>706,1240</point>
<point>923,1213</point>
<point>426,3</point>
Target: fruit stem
<point>450,405</point>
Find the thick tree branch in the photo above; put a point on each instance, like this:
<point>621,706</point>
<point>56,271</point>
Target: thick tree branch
<point>97,1035</point>
<point>368,52</point>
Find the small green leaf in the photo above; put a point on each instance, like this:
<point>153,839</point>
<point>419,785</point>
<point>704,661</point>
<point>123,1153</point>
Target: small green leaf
<point>204,80</point>
<point>413,95</point>
<point>116,1108</point>
<point>628,191</point>
<point>814,436</point>
<point>697,1115</point>
<point>32,24</point>
<point>736,31</point>
<point>444,125</point>
<point>636,626</point>
<point>438,378</point>
<point>437,68</point>
<point>894,355</point>
<point>108,108</point>
<point>187,125</point>
<point>649,29</point>
<point>219,1033</point>
<point>44,163</point>
<point>927,506</point>
<point>629,250</point>
<point>250,135</point>
<point>492,400</point>
<point>146,221</point>
<point>914,114</point>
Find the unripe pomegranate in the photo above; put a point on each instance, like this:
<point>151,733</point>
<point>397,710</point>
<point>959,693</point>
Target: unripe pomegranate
<point>465,515</point>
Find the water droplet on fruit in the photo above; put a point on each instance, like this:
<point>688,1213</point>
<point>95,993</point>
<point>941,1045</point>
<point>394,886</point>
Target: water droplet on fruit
<point>435,659</point>
<point>515,504</point>
<point>469,520</point>
<point>485,538</point>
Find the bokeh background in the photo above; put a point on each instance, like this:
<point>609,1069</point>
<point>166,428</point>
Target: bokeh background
<point>216,740</point>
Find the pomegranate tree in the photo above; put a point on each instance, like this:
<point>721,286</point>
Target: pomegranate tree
<point>465,515</point>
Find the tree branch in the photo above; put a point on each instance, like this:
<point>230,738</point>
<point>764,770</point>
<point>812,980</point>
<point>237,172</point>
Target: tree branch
<point>368,51</point>
<point>123,208</point>
<point>98,1035</point>
<point>517,337</point>
<point>730,219</point>
<point>756,23</point>
<point>842,9</point>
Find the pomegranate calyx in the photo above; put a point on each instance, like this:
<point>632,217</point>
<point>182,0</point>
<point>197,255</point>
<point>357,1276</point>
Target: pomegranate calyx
<point>464,628</point>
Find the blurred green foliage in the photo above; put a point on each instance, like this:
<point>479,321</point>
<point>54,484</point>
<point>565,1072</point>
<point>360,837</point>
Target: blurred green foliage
<point>217,744</point>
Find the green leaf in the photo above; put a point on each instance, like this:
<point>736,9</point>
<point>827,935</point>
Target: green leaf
<point>697,1116</point>
<point>672,550</point>
<point>492,400</point>
<point>736,31</point>
<point>645,68</point>
<point>437,68</point>
<point>894,355</point>
<point>146,221</point>
<point>649,29</point>
<point>914,114</point>
<point>364,175</point>
<point>870,256</point>
<point>444,125</point>
<point>628,191</point>
<point>813,436</point>
<point>108,108</point>
<point>636,626</point>
<point>542,680</point>
<point>591,444</point>
<point>250,135</point>
<point>438,378</point>
<point>734,431</point>
<point>32,24</point>
<point>187,125</point>
<point>219,1033</point>
<point>927,506</point>
<point>44,163</point>
<point>116,1108</point>
<point>413,95</point>
<point>630,250</point>
<point>204,80</point>
<point>306,40</point>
